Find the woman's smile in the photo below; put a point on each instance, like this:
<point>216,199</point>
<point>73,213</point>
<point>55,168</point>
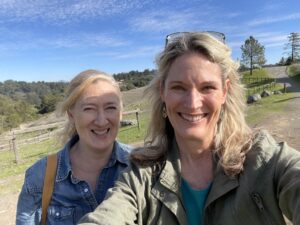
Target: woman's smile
<point>193,117</point>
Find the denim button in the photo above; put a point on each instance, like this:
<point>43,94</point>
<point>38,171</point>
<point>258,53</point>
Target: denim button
<point>86,190</point>
<point>57,214</point>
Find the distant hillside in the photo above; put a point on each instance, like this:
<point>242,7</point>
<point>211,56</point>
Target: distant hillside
<point>133,98</point>
<point>134,79</point>
<point>22,102</point>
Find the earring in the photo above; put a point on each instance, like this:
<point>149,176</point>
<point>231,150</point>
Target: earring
<point>164,112</point>
<point>221,115</point>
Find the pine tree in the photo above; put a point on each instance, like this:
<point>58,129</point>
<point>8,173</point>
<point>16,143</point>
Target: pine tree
<point>293,46</point>
<point>253,53</point>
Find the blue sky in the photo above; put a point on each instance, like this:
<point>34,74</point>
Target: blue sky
<point>53,40</point>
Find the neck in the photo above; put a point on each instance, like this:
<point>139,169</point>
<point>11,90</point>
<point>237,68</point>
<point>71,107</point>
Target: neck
<point>87,164</point>
<point>89,160</point>
<point>196,164</point>
<point>194,148</point>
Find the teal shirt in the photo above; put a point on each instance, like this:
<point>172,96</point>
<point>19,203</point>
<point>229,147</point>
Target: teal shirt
<point>193,201</point>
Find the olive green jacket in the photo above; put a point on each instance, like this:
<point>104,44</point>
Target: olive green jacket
<point>268,187</point>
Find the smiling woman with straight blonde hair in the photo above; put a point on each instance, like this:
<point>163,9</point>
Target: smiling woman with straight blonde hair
<point>91,160</point>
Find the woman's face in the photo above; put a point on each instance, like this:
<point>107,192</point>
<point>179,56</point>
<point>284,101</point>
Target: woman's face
<point>194,94</point>
<point>96,116</point>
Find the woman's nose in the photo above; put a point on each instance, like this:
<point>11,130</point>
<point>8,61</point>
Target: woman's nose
<point>100,118</point>
<point>193,99</point>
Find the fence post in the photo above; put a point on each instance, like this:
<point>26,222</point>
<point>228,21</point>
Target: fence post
<point>15,148</point>
<point>137,120</point>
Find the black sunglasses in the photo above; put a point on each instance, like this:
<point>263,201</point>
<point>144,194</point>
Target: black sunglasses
<point>175,36</point>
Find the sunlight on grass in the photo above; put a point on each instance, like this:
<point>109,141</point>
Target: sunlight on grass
<point>132,134</point>
<point>28,154</point>
<point>274,104</point>
<point>11,174</point>
<point>294,72</point>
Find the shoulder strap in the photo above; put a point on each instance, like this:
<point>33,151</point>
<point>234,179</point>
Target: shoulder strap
<point>48,185</point>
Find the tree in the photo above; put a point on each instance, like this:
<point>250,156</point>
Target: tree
<point>281,62</point>
<point>293,46</point>
<point>253,53</point>
<point>49,103</point>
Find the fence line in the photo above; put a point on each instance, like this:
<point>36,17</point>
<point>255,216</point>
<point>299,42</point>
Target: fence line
<point>258,84</point>
<point>15,138</point>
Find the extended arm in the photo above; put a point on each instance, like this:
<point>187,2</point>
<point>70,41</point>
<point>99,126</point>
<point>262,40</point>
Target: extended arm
<point>121,205</point>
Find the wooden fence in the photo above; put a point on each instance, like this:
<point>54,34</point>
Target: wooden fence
<point>258,84</point>
<point>18,137</point>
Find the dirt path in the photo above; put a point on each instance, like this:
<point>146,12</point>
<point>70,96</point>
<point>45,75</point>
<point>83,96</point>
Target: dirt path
<point>284,127</point>
<point>8,205</point>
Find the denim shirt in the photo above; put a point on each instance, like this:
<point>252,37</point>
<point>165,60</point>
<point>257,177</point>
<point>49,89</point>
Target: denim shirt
<point>71,198</point>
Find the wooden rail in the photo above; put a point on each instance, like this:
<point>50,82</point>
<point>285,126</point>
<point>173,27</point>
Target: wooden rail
<point>19,137</point>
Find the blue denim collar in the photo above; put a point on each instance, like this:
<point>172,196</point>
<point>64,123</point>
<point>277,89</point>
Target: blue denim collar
<point>119,155</point>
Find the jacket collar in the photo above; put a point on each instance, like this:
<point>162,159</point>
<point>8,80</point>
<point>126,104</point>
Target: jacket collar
<point>119,155</point>
<point>221,185</point>
<point>170,180</point>
<point>167,186</point>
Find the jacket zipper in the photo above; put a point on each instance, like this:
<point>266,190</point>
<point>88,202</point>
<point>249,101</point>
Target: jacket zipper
<point>259,203</point>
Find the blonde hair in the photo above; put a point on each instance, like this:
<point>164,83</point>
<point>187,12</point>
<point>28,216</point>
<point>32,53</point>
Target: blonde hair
<point>232,135</point>
<point>74,91</point>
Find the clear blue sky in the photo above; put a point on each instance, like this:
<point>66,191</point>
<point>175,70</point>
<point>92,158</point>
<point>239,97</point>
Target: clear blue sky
<point>53,40</point>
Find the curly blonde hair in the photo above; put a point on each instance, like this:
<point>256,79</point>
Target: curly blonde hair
<point>74,91</point>
<point>232,135</point>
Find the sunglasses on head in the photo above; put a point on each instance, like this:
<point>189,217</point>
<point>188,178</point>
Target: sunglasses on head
<point>177,35</point>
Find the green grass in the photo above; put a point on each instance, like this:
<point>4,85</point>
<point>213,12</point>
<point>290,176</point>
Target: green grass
<point>273,104</point>
<point>28,154</point>
<point>256,73</point>
<point>294,72</point>
<point>134,134</point>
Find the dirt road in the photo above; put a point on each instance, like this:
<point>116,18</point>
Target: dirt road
<point>284,127</point>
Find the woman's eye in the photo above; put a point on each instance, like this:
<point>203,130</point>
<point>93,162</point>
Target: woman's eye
<point>88,109</point>
<point>179,88</point>
<point>111,108</point>
<point>208,88</point>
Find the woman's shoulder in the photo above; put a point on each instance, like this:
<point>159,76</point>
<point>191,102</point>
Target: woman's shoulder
<point>35,174</point>
<point>265,148</point>
<point>124,147</point>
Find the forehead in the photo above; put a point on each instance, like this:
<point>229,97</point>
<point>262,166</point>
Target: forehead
<point>194,66</point>
<point>102,89</point>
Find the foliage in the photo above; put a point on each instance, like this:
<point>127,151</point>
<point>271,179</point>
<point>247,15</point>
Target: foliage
<point>293,47</point>
<point>14,112</point>
<point>22,102</point>
<point>285,62</point>
<point>49,102</point>
<point>253,53</point>
<point>294,72</point>
<point>134,79</point>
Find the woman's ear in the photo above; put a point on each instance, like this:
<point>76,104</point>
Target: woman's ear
<point>70,115</point>
<point>225,89</point>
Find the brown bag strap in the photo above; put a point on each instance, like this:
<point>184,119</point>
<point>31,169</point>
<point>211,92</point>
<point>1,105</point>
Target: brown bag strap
<point>48,185</point>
